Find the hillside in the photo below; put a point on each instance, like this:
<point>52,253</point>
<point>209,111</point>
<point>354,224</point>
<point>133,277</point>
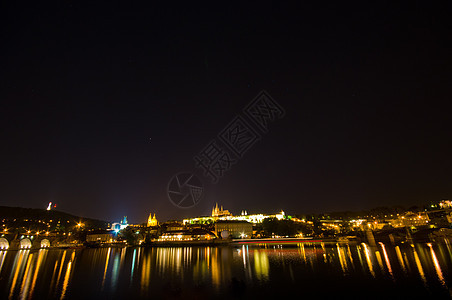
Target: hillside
<point>50,220</point>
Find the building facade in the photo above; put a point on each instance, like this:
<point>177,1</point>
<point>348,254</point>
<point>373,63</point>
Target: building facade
<point>152,220</point>
<point>235,229</point>
<point>410,219</point>
<point>186,235</point>
<point>100,237</point>
<point>219,214</point>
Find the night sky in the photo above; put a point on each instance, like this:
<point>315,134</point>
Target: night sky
<point>101,104</point>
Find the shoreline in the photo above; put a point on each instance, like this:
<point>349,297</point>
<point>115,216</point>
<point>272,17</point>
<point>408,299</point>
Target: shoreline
<point>245,242</point>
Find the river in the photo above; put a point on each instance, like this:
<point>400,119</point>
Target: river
<point>320,271</point>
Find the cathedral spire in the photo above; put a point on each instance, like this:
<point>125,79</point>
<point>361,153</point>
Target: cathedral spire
<point>152,220</point>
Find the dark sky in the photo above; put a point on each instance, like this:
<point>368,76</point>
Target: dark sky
<point>101,104</point>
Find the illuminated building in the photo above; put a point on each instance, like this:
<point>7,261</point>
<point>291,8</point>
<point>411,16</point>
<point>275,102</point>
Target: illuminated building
<point>219,214</point>
<point>445,204</point>
<point>99,237</point>
<point>124,222</point>
<point>49,207</point>
<point>197,234</point>
<point>449,217</point>
<point>173,225</point>
<point>411,219</point>
<point>334,225</point>
<point>236,229</point>
<point>121,225</point>
<point>152,221</point>
<point>4,244</point>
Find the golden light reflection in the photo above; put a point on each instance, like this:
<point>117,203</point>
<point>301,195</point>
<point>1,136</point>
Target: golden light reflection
<point>368,259</point>
<point>208,257</point>
<point>324,252</point>
<point>388,263</point>
<point>261,264</point>
<point>400,258</point>
<point>200,271</point>
<point>437,267</point>
<point>361,262</point>
<point>61,267</point>
<point>212,266</point>
<point>349,252</point>
<point>2,259</point>
<point>243,255</point>
<point>407,263</point>
<point>67,276</point>
<point>342,259</point>
<point>145,272</point>
<point>302,251</point>
<point>419,266</point>
<point>41,258</point>
<point>313,257</point>
<point>106,267</point>
<point>170,260</point>
<point>447,242</point>
<point>19,263</point>
<point>53,274</point>
<point>215,268</point>
<point>380,262</point>
<point>26,278</point>
<point>123,256</point>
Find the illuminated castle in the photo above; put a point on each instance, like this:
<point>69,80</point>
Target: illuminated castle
<point>219,212</point>
<point>152,221</point>
<point>121,225</point>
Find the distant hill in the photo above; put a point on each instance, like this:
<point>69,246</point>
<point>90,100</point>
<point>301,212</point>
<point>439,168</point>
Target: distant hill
<point>36,218</point>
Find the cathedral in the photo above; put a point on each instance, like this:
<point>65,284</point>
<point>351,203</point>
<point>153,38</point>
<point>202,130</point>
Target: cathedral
<point>219,212</point>
<point>152,221</point>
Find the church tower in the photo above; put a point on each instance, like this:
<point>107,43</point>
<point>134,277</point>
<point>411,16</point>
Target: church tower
<point>152,220</point>
<point>220,212</point>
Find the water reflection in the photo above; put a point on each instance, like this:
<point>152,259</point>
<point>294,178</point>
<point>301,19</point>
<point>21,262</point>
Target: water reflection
<point>18,268</point>
<point>261,264</point>
<point>437,267</point>
<point>388,263</point>
<point>367,253</point>
<point>419,265</point>
<point>209,271</point>
<point>67,275</point>
<point>106,267</point>
<point>41,257</point>
<point>342,258</point>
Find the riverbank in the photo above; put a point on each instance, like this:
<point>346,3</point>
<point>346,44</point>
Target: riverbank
<point>441,236</point>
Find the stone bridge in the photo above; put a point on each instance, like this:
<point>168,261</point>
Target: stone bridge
<point>19,241</point>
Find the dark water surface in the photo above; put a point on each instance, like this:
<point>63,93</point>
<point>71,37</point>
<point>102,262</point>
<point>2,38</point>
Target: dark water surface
<point>420,271</point>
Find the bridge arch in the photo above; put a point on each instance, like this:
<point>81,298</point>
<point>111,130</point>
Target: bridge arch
<point>45,243</point>
<point>25,243</point>
<point>4,244</point>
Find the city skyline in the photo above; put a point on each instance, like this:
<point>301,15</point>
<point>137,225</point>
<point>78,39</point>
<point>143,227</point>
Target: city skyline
<point>102,105</point>
<point>218,211</point>
<point>226,150</point>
